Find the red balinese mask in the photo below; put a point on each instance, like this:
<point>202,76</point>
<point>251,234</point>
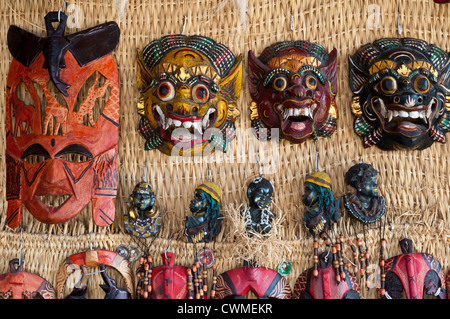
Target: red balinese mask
<point>413,273</point>
<point>59,156</point>
<point>22,285</point>
<point>263,282</point>
<point>325,285</point>
<point>293,85</point>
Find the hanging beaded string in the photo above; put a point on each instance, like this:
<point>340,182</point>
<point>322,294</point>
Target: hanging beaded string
<point>382,261</point>
<point>355,257</point>
<point>366,258</point>
<point>339,264</point>
<point>144,271</point>
<point>316,258</point>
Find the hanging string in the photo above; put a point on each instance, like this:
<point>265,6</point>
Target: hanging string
<point>399,26</point>
<point>184,24</point>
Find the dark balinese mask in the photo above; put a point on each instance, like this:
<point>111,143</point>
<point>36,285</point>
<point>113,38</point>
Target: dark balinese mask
<point>412,273</point>
<point>293,86</point>
<point>143,218</point>
<point>205,222</point>
<point>258,216</point>
<point>262,281</point>
<point>61,150</point>
<point>400,93</point>
<point>323,208</point>
<point>365,206</point>
<point>324,285</point>
<point>18,284</point>
<point>188,90</point>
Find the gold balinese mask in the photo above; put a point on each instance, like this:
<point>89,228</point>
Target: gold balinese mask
<point>188,90</point>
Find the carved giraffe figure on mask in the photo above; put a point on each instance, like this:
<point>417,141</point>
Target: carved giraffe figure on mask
<point>86,107</point>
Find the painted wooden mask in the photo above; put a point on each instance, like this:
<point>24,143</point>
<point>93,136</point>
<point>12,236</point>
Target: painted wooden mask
<point>205,222</point>
<point>324,285</point>
<point>366,205</point>
<point>188,88</point>
<point>259,216</point>
<point>61,147</point>
<point>322,208</point>
<point>17,284</point>
<point>96,258</point>
<point>413,273</point>
<point>143,218</point>
<point>293,85</point>
<point>400,90</point>
<point>264,282</point>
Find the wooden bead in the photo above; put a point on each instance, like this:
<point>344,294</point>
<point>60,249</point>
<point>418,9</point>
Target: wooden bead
<point>315,273</point>
<point>316,245</point>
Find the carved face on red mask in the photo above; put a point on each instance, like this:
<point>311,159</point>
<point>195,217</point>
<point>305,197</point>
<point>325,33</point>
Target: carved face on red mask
<point>293,85</point>
<point>61,151</point>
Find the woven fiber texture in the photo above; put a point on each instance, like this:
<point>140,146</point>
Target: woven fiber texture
<point>415,184</point>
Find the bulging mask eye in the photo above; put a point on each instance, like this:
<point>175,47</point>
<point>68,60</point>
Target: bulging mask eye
<point>200,93</point>
<point>388,85</point>
<point>422,84</point>
<point>279,83</point>
<point>311,82</point>
<point>165,91</point>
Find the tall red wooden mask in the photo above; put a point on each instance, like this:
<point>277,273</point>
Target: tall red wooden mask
<point>61,147</point>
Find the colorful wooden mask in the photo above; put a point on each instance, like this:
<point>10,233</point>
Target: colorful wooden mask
<point>324,284</point>
<point>188,88</point>
<point>169,281</point>
<point>258,217</point>
<point>263,282</point>
<point>94,258</point>
<point>293,86</point>
<point>18,284</point>
<point>365,206</point>
<point>323,209</point>
<point>109,286</point>
<point>205,222</point>
<point>412,273</point>
<point>400,90</point>
<point>143,218</point>
<point>58,155</point>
